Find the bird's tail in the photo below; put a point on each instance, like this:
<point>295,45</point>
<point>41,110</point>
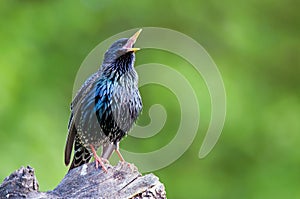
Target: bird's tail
<point>81,156</point>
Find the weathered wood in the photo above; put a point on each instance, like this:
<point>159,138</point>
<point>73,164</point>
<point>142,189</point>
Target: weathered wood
<point>121,181</point>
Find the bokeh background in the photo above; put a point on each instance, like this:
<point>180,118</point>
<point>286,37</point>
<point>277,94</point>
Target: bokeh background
<point>255,44</point>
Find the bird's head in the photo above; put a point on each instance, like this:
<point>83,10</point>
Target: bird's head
<point>124,46</point>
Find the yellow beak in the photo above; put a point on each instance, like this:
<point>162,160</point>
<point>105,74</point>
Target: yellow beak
<point>131,41</point>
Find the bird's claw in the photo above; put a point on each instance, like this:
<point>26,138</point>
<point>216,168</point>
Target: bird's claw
<point>126,164</point>
<point>100,161</point>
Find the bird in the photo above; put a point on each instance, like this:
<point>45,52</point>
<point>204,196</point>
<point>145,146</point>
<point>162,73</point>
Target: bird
<point>106,107</point>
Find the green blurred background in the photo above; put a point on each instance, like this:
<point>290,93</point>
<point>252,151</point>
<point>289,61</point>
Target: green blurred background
<point>255,44</point>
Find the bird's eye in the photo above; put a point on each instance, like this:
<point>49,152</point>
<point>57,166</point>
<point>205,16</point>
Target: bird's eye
<point>120,45</point>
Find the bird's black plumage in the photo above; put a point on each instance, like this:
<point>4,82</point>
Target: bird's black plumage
<point>106,106</point>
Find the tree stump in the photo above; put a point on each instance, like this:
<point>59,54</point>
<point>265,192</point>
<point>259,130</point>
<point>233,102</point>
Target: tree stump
<point>121,181</point>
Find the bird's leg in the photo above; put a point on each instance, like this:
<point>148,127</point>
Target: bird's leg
<point>120,155</point>
<point>98,159</point>
<point>118,152</point>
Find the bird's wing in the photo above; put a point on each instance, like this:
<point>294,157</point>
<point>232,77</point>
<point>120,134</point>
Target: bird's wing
<point>75,105</point>
<point>70,140</point>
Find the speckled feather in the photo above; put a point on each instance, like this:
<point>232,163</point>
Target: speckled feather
<point>105,107</point>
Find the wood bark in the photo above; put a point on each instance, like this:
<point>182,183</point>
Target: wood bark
<point>121,181</point>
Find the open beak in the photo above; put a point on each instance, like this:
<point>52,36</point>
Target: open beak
<point>131,41</point>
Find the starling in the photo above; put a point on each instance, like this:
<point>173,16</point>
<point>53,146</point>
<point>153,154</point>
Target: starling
<point>105,107</point>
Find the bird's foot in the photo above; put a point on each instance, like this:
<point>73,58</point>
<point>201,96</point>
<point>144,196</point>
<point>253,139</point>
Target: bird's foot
<point>122,160</point>
<point>99,160</point>
<point>126,164</point>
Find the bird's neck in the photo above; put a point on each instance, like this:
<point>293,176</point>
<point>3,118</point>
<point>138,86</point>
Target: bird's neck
<point>121,67</point>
